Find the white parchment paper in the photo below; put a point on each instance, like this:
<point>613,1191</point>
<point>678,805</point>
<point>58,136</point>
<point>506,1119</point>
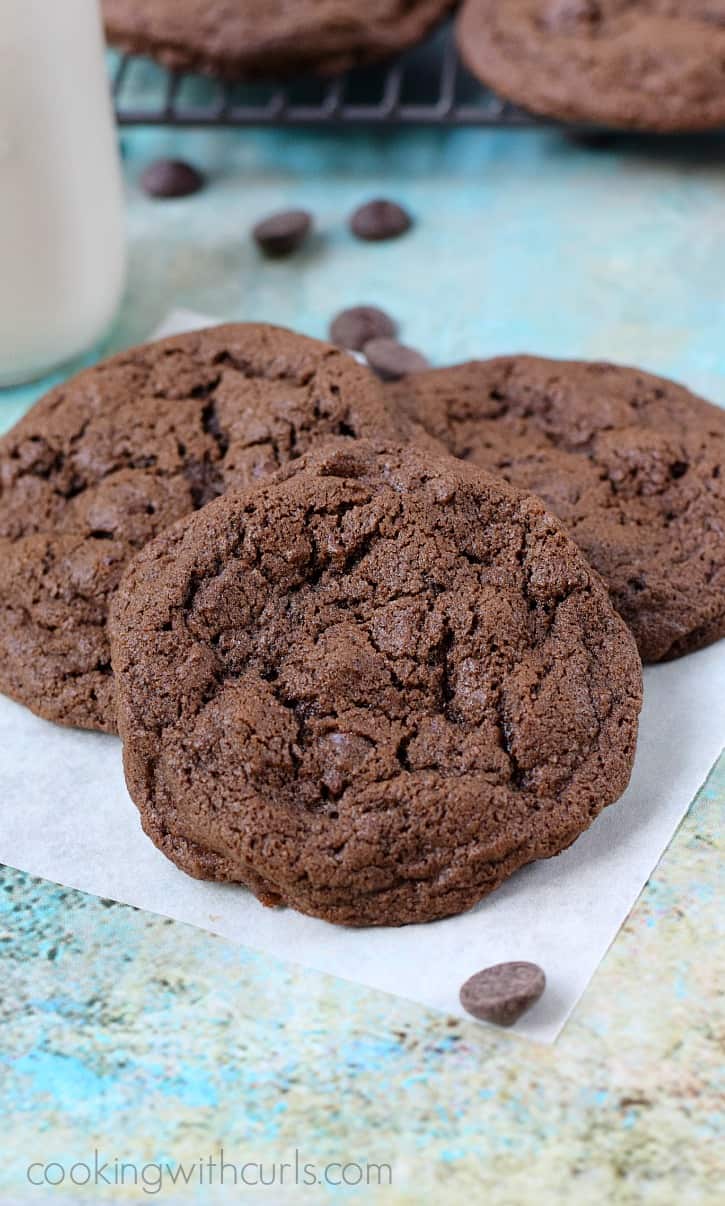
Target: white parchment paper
<point>66,816</point>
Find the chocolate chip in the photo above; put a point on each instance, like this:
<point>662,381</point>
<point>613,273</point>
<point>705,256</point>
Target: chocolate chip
<point>380,220</point>
<point>392,360</point>
<point>281,234</point>
<point>171,178</point>
<point>501,994</point>
<point>359,325</point>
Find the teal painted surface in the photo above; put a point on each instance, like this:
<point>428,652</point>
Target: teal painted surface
<point>148,1040</point>
<point>523,242</point>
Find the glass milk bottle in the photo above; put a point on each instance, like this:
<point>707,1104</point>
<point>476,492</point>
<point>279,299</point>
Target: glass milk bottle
<point>62,243</point>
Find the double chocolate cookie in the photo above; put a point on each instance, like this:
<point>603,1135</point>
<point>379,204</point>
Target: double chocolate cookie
<point>372,687</point>
<point>632,464</point>
<point>105,462</point>
<point>233,38</point>
<point>634,64</point>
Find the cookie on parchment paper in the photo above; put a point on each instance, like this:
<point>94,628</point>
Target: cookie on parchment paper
<point>372,687</point>
<point>109,459</point>
<point>632,464</point>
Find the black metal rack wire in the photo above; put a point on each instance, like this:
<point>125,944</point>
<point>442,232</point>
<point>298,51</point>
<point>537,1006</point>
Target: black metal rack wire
<point>427,86</point>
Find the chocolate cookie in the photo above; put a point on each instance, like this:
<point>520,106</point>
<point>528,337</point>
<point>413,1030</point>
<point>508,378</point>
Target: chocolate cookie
<point>632,464</point>
<point>634,64</point>
<point>108,460</point>
<point>255,38</point>
<point>371,688</point>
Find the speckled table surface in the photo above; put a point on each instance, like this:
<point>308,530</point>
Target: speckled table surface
<point>129,1038</point>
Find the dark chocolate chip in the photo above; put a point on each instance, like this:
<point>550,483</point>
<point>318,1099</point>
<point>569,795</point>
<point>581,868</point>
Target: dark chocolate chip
<point>281,234</point>
<point>501,994</point>
<point>392,360</point>
<point>359,325</point>
<point>380,220</point>
<point>167,178</point>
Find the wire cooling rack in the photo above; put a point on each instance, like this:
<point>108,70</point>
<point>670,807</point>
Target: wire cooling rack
<point>426,86</point>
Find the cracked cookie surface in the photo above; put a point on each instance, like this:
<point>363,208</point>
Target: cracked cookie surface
<point>269,37</point>
<point>632,464</point>
<point>109,459</point>
<point>636,64</point>
<point>372,687</point>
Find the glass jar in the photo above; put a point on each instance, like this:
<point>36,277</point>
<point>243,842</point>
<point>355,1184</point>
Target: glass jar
<point>62,240</point>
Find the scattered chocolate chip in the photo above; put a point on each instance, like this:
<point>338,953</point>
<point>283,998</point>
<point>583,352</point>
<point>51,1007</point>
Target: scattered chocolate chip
<point>380,220</point>
<point>359,325</point>
<point>501,994</point>
<point>392,360</point>
<point>281,234</point>
<point>171,178</point>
